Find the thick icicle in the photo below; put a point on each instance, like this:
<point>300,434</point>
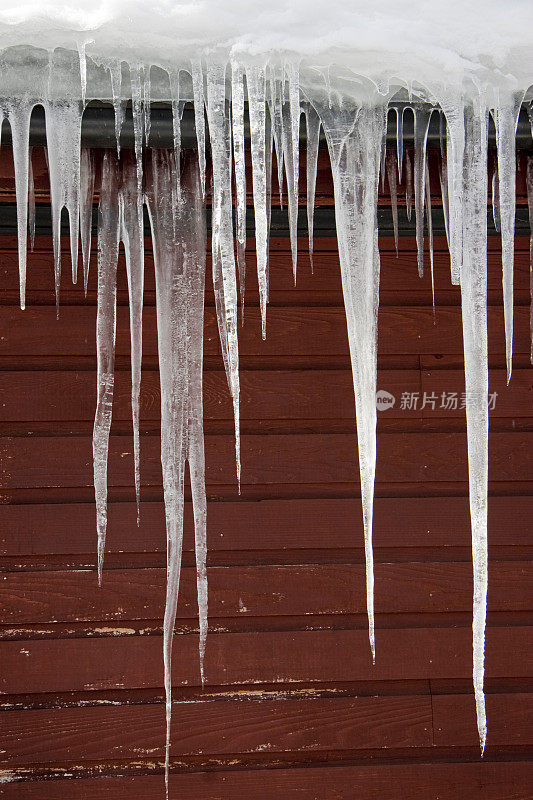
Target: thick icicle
<point>18,112</point>
<point>422,118</point>
<point>108,239</point>
<point>224,274</point>
<point>179,256</point>
<point>255,79</point>
<point>474,315</point>
<point>63,138</point>
<point>505,120</point>
<point>31,201</point>
<point>354,140</point>
<point>390,165</point>
<point>313,140</point>
<point>87,175</point>
<point>237,116</point>
<point>131,234</point>
<point>197,76</point>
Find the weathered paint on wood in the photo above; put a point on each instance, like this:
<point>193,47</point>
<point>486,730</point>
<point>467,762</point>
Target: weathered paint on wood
<point>293,706</point>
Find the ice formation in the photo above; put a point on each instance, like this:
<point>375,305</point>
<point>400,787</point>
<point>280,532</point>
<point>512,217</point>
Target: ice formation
<point>260,68</point>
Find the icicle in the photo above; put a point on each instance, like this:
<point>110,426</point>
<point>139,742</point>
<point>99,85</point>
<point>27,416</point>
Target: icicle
<point>18,112</point>
<point>495,197</point>
<point>197,76</point>
<point>255,79</point>
<point>31,200</point>
<point>452,104</point>
<point>274,105</point>
<point>399,141</point>
<point>63,138</point>
<point>430,232</point>
<point>269,152</point>
<point>354,140</point>
<point>529,183</point>
<point>131,234</point>
<point>443,178</point>
<point>408,185</point>
<point>224,275</point>
<point>291,148</point>
<point>115,71</point>
<point>390,164</point>
<point>422,118</point>
<point>83,69</point>
<point>237,115</point>
<point>474,314</point>
<point>312,121</point>
<point>108,238</point>
<point>179,255</point>
<point>87,175</point>
<point>137,110</point>
<point>506,120</point>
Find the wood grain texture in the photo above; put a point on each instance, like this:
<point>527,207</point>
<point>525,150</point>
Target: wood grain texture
<point>485,781</point>
<point>134,661</point>
<point>293,706</point>
<point>265,395</point>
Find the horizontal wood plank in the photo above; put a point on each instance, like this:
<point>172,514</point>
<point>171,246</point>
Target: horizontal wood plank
<point>259,591</point>
<point>307,524</point>
<point>65,665</point>
<point>217,728</point>
<point>320,458</point>
<point>56,396</point>
<point>474,781</point>
<point>290,331</point>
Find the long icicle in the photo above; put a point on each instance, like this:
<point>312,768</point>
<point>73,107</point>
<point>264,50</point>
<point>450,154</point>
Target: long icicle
<point>422,118</point>
<point>474,315</point>
<point>237,117</point>
<point>224,274</point>
<point>354,140</point>
<point>179,257</point>
<point>313,141</point>
<point>255,79</point>
<point>18,112</point>
<point>108,239</point>
<point>131,234</point>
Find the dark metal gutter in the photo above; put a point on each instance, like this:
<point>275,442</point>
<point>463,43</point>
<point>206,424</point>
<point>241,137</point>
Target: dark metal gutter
<point>324,221</point>
<point>98,129</point>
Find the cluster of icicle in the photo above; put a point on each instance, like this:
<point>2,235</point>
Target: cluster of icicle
<point>173,186</point>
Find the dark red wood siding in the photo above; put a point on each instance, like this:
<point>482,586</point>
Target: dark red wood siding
<point>292,705</point>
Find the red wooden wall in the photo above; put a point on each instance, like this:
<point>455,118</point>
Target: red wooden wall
<point>292,705</point>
